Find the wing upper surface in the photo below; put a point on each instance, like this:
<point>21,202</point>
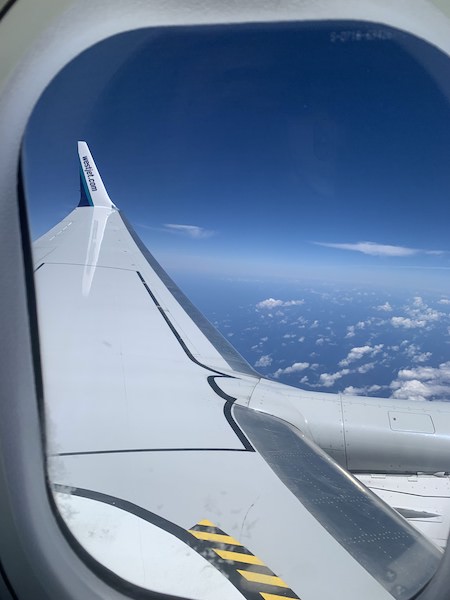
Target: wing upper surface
<point>100,238</point>
<point>137,417</point>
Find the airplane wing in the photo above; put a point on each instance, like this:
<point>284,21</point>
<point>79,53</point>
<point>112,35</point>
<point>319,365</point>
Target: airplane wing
<point>160,470</point>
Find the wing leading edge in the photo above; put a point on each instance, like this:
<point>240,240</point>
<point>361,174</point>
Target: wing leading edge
<point>142,399</point>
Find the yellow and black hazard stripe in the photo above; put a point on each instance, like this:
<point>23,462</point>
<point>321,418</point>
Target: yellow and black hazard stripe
<point>246,572</point>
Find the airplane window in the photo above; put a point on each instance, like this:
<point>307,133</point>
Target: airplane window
<point>293,180</point>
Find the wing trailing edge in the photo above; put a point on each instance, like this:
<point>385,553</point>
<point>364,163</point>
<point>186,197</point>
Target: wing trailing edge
<point>92,189</point>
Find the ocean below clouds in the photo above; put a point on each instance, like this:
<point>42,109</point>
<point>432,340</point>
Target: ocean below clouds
<point>349,339</point>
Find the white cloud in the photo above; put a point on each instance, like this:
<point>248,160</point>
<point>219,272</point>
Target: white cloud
<point>272,303</point>
<point>301,321</point>
<point>386,307</point>
<point>418,316</point>
<point>365,368</point>
<point>423,383</point>
<point>269,303</point>
<point>413,351</point>
<point>444,301</point>
<point>427,373</point>
<point>294,368</point>
<point>329,379</point>
<point>375,249</point>
<point>374,388</point>
<point>350,331</point>
<point>407,323</point>
<point>264,361</point>
<point>418,302</point>
<point>354,391</point>
<point>409,349</point>
<point>358,352</point>
<point>361,391</point>
<point>192,231</point>
<point>422,357</point>
<point>413,390</point>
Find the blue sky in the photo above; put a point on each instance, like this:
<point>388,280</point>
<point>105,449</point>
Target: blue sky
<point>285,149</point>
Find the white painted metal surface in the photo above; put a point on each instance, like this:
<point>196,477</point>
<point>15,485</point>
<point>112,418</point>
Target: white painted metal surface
<point>422,499</point>
<point>142,553</point>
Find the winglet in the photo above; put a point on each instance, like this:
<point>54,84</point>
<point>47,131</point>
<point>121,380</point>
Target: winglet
<point>93,192</point>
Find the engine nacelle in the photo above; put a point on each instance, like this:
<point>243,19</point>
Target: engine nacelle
<point>365,434</point>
